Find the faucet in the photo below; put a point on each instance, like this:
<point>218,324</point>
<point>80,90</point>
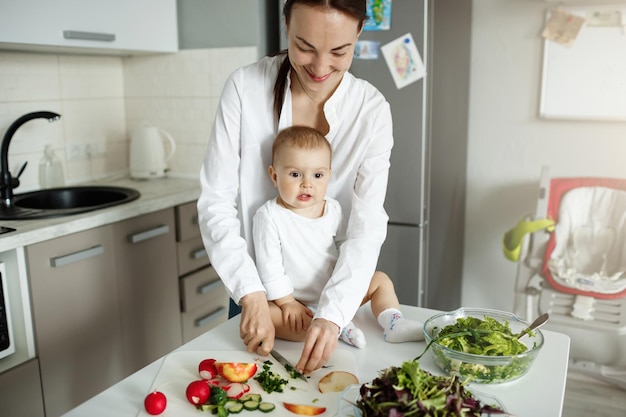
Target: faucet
<point>7,183</point>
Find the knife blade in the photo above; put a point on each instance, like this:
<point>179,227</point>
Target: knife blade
<point>287,365</point>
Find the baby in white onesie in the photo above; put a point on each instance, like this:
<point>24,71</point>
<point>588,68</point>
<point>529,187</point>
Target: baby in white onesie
<point>297,240</point>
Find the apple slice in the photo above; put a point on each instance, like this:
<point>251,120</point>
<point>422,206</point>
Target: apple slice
<point>236,371</point>
<point>304,409</point>
<point>336,381</point>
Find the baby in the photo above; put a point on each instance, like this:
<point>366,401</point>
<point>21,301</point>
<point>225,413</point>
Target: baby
<point>297,243</point>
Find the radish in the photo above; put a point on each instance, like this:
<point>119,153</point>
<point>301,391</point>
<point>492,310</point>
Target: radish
<point>207,369</point>
<point>214,381</point>
<point>198,392</point>
<point>155,403</point>
<point>235,390</point>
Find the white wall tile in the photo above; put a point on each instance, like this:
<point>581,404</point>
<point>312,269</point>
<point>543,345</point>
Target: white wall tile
<point>102,98</point>
<point>91,77</point>
<point>179,93</point>
<point>28,77</point>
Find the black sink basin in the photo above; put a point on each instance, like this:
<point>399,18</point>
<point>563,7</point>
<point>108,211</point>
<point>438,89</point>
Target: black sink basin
<point>56,202</point>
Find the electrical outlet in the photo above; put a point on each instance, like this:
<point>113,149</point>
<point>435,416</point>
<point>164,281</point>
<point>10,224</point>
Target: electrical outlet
<point>81,151</point>
<point>73,151</point>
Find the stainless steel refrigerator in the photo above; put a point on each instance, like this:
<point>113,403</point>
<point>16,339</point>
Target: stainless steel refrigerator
<point>403,255</point>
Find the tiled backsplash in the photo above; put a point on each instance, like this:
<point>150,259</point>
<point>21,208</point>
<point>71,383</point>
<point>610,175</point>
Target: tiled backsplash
<point>101,99</point>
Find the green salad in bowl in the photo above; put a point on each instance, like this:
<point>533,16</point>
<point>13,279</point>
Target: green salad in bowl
<point>482,345</point>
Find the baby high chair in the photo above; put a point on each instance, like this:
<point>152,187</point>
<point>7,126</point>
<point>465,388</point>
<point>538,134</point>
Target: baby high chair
<point>572,264</point>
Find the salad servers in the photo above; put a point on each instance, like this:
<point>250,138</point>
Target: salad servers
<point>539,321</point>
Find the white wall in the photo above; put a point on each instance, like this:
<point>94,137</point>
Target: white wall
<point>509,143</point>
<point>102,98</point>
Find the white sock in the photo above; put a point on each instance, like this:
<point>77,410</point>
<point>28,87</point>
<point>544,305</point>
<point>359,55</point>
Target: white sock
<point>398,329</point>
<point>352,335</point>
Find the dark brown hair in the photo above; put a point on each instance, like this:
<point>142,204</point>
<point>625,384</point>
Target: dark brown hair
<point>300,137</point>
<point>353,8</point>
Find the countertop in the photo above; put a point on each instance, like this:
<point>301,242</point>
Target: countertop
<point>538,393</point>
<point>156,194</point>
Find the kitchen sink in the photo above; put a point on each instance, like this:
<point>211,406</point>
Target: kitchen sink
<point>66,201</point>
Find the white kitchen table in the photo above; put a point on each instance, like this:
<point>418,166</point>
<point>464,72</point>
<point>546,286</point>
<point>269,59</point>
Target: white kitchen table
<point>539,393</point>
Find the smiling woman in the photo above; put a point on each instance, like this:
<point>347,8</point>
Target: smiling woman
<point>308,85</point>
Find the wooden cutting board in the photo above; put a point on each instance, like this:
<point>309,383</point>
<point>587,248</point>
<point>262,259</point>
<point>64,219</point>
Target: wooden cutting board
<point>181,368</point>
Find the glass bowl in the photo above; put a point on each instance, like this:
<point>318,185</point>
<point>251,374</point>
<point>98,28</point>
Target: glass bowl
<point>480,368</point>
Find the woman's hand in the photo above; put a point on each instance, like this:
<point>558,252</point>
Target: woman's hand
<point>256,328</point>
<point>320,343</point>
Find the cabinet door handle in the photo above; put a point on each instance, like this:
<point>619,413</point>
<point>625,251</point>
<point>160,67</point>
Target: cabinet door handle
<point>76,256</point>
<point>205,288</point>
<point>149,234</point>
<point>200,253</point>
<point>203,321</point>
<point>89,36</point>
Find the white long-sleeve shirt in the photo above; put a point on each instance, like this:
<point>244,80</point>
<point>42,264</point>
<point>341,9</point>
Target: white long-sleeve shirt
<point>295,254</point>
<point>235,183</point>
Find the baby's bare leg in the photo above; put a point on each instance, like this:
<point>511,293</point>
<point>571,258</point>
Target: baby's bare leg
<point>386,308</point>
<point>381,293</point>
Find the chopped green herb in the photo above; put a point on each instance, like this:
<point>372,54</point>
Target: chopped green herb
<point>293,372</point>
<point>270,381</point>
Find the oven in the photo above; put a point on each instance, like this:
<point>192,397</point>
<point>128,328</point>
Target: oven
<point>7,343</point>
<point>17,341</point>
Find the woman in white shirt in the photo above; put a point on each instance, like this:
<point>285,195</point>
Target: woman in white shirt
<point>311,86</point>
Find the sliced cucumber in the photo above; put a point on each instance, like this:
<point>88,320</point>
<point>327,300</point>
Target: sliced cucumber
<point>266,407</point>
<point>207,407</point>
<point>233,407</point>
<point>251,397</point>
<point>251,405</point>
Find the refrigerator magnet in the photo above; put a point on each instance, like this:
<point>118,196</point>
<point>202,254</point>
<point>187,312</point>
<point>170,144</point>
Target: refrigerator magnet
<point>379,15</point>
<point>367,50</point>
<point>403,60</point>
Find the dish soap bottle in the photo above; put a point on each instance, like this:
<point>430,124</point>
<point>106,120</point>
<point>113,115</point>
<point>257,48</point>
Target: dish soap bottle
<point>50,169</point>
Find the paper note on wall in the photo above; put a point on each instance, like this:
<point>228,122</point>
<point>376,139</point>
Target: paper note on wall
<point>563,27</point>
<point>403,60</point>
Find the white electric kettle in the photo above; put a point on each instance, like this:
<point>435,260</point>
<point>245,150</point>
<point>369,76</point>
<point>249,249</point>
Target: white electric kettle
<point>147,152</point>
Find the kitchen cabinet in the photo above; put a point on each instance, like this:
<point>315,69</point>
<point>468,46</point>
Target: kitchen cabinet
<point>105,304</point>
<point>20,391</point>
<point>76,312</point>
<point>113,27</point>
<point>204,301</point>
<point>147,275</point>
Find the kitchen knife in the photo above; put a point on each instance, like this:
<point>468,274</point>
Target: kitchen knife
<point>287,365</point>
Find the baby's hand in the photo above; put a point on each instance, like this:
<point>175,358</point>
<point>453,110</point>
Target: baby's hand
<point>296,315</point>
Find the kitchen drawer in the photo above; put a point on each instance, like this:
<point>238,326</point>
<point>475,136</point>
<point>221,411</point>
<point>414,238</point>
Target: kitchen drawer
<point>187,221</point>
<point>202,288</point>
<point>20,391</point>
<point>191,256</point>
<point>202,319</point>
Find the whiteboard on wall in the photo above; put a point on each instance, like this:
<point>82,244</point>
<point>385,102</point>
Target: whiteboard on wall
<point>586,81</point>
